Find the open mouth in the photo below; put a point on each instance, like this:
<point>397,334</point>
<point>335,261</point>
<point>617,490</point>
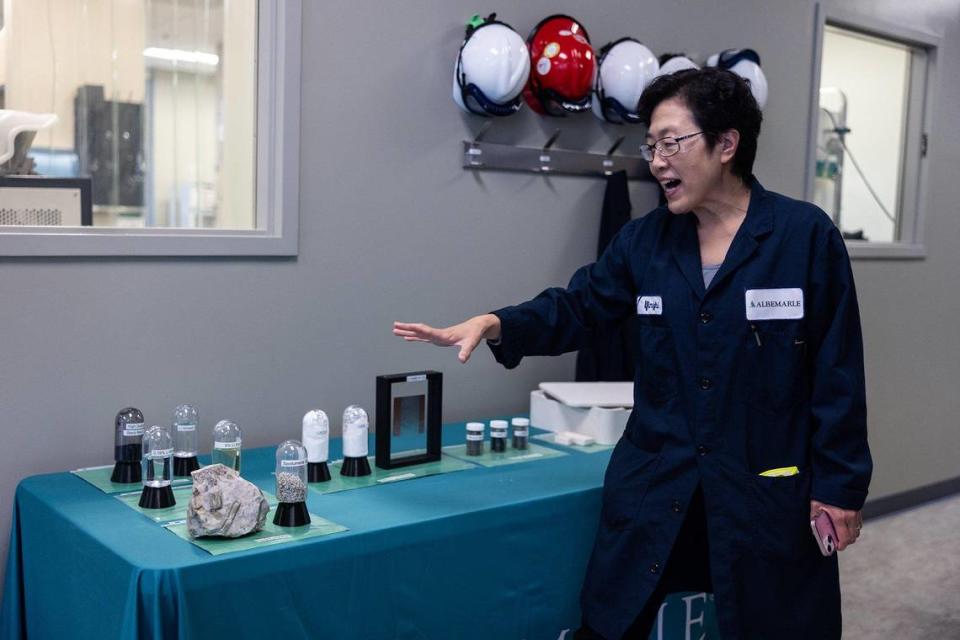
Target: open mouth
<point>670,187</point>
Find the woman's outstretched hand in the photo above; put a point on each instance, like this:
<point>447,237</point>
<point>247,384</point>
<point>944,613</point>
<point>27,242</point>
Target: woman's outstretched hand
<point>466,335</point>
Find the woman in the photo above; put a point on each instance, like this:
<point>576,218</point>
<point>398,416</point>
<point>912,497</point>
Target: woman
<point>749,409</point>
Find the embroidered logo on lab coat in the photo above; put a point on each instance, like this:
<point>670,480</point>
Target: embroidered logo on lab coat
<point>774,304</point>
<point>649,306</point>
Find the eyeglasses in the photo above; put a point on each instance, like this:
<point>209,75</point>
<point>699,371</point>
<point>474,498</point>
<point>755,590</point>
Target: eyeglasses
<point>666,147</point>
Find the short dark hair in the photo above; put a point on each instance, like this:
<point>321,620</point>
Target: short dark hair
<point>719,100</point>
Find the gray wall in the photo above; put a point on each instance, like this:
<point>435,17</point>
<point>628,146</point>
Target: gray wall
<point>392,228</point>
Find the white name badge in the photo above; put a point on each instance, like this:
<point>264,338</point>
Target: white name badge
<point>774,304</point>
<point>649,306</point>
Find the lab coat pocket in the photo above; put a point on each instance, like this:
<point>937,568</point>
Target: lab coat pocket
<point>658,364</point>
<point>625,484</point>
<point>781,512</point>
<point>775,372</point>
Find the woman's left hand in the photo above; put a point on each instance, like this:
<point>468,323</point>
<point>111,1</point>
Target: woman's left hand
<point>846,522</point>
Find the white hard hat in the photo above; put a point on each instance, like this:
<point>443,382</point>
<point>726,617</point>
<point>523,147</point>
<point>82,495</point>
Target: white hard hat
<point>746,64</point>
<point>491,70</point>
<point>624,69</point>
<point>673,62</point>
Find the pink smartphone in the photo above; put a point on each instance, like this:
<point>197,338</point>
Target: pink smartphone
<point>824,533</point>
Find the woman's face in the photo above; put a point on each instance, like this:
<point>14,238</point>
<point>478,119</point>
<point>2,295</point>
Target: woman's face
<point>690,175</point>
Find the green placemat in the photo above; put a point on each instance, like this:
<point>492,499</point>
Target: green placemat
<point>270,535</point>
<point>590,448</point>
<point>176,512</point>
<point>446,464</point>
<point>100,478</point>
<point>510,456</point>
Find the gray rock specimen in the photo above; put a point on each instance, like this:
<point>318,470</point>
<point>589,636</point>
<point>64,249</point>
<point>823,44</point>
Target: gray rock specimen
<point>224,504</point>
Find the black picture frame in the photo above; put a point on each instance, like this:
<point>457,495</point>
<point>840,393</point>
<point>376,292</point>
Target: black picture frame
<point>385,418</point>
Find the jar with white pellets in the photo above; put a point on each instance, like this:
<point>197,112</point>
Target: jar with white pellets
<point>498,436</point>
<point>356,427</point>
<point>316,439</point>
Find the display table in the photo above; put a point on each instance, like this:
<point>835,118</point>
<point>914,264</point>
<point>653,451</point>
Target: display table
<point>488,552</point>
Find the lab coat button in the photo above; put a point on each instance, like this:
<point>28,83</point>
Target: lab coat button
<point>706,317</point>
<point>677,507</point>
<point>706,383</point>
<point>702,450</point>
<point>655,567</point>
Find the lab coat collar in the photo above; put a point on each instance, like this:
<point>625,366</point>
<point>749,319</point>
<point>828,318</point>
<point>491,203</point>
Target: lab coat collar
<point>686,245</point>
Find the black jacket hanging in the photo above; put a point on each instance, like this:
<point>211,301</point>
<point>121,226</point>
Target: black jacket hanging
<point>608,357</point>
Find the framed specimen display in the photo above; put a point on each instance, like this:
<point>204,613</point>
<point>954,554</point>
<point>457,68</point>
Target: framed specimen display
<point>409,418</point>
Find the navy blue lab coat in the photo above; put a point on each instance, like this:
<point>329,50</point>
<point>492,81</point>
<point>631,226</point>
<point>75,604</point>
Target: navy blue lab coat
<point>719,398</point>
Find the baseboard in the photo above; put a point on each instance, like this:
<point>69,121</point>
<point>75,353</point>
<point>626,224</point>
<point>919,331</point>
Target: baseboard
<point>911,498</point>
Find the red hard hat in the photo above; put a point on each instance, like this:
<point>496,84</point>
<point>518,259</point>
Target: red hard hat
<point>561,67</point>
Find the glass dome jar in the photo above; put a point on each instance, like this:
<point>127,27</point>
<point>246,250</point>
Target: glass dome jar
<point>184,425</point>
<point>356,426</point>
<point>316,439</point>
<point>227,443</point>
<point>157,469</point>
<point>291,476</point>
<point>127,446</point>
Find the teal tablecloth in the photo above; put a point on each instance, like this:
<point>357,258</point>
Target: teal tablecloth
<point>485,553</point>
<point>471,554</point>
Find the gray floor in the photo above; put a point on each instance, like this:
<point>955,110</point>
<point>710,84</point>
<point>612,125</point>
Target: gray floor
<point>902,578</point>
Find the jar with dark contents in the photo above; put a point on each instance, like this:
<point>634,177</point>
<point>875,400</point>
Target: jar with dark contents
<point>521,432</point>
<point>475,438</point>
<point>128,441</point>
<point>127,446</point>
<point>498,436</point>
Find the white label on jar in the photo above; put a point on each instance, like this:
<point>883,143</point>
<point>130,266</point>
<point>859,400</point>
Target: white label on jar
<point>227,445</point>
<point>186,427</point>
<point>498,434</point>
<point>520,432</point>
<point>160,453</point>
<point>419,378</point>
<point>133,429</point>
<point>474,438</point>
<point>292,463</point>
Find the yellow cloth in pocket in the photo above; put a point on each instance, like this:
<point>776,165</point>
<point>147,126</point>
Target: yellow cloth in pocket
<point>780,472</point>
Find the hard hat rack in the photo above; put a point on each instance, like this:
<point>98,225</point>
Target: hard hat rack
<point>483,156</point>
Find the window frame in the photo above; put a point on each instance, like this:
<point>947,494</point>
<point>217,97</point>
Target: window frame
<point>277,172</point>
<point>914,174</point>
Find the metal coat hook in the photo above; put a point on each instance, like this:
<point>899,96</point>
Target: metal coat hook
<point>608,162</point>
<point>483,131</point>
<point>616,145</point>
<point>545,160</point>
<point>545,154</point>
<point>474,152</point>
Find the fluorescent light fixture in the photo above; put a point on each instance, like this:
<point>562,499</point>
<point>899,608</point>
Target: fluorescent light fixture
<point>180,55</point>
